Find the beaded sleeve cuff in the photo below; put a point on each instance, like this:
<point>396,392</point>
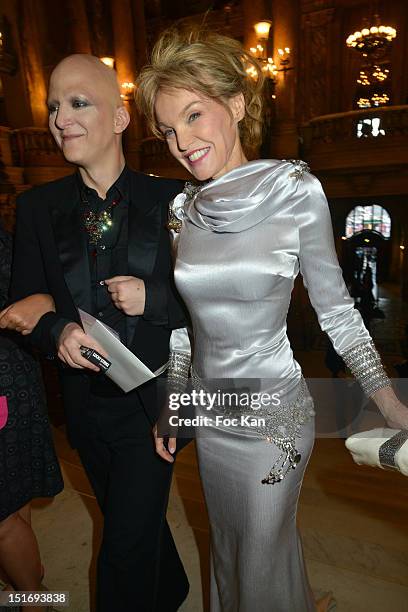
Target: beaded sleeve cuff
<point>365,364</point>
<point>178,371</point>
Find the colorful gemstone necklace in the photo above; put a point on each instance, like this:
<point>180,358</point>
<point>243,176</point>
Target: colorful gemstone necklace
<point>96,224</point>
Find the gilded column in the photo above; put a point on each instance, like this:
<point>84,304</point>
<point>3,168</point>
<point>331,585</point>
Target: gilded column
<point>253,12</point>
<point>33,66</point>
<point>284,139</point>
<point>129,40</point>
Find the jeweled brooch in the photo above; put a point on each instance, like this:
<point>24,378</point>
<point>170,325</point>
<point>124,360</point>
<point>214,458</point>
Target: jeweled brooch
<point>96,224</point>
<point>176,208</point>
<point>300,167</point>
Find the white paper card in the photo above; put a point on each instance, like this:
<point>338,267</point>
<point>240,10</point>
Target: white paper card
<point>127,371</point>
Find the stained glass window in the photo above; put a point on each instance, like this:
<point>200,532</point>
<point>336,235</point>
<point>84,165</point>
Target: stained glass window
<point>363,218</point>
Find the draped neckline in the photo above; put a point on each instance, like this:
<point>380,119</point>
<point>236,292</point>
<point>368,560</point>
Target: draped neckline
<point>237,200</point>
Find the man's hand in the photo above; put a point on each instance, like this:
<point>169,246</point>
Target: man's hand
<point>127,293</point>
<point>71,339</point>
<point>23,316</point>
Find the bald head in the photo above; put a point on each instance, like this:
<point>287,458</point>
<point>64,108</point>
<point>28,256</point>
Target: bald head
<point>86,113</point>
<point>90,69</point>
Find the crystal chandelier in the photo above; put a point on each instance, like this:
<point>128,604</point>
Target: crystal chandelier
<point>372,74</point>
<point>373,40</point>
<point>377,99</point>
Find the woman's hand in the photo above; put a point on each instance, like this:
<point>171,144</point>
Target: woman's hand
<point>23,316</point>
<point>394,411</point>
<point>398,417</point>
<point>165,453</point>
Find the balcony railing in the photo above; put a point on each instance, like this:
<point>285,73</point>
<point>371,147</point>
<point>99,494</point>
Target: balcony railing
<point>36,147</point>
<point>363,138</point>
<point>154,150</point>
<point>155,158</point>
<point>350,139</point>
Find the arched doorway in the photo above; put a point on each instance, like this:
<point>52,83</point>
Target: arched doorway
<point>368,252</point>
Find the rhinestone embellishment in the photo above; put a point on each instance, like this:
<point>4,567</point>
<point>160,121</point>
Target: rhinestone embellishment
<point>283,425</point>
<point>300,167</point>
<point>176,207</point>
<point>365,364</point>
<point>178,371</point>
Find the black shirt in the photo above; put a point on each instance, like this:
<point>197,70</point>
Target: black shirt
<point>108,257</point>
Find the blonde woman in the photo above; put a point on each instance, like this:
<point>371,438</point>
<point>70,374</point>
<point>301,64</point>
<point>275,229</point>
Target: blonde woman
<point>240,240</point>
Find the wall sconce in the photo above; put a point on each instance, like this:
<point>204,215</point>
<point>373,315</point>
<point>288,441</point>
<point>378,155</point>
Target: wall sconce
<point>270,69</point>
<point>284,60</point>
<point>260,52</point>
<point>108,61</point>
<point>127,90</point>
<point>262,30</point>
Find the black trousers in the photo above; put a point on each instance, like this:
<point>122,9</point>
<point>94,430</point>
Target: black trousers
<point>138,565</point>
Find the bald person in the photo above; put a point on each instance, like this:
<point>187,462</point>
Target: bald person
<point>96,240</point>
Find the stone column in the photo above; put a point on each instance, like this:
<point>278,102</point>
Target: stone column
<point>284,140</point>
<point>129,39</point>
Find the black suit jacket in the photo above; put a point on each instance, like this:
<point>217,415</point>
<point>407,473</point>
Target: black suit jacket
<point>50,256</point>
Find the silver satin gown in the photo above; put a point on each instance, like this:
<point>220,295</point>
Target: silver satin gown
<point>244,238</point>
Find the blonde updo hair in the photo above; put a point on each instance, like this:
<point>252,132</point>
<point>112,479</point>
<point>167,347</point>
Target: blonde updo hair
<point>209,63</point>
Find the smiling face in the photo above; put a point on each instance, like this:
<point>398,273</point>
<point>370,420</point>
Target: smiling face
<point>201,132</point>
<point>86,115</point>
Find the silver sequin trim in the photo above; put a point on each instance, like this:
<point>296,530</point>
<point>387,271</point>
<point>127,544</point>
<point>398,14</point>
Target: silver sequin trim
<point>365,364</point>
<point>389,449</point>
<point>178,371</point>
